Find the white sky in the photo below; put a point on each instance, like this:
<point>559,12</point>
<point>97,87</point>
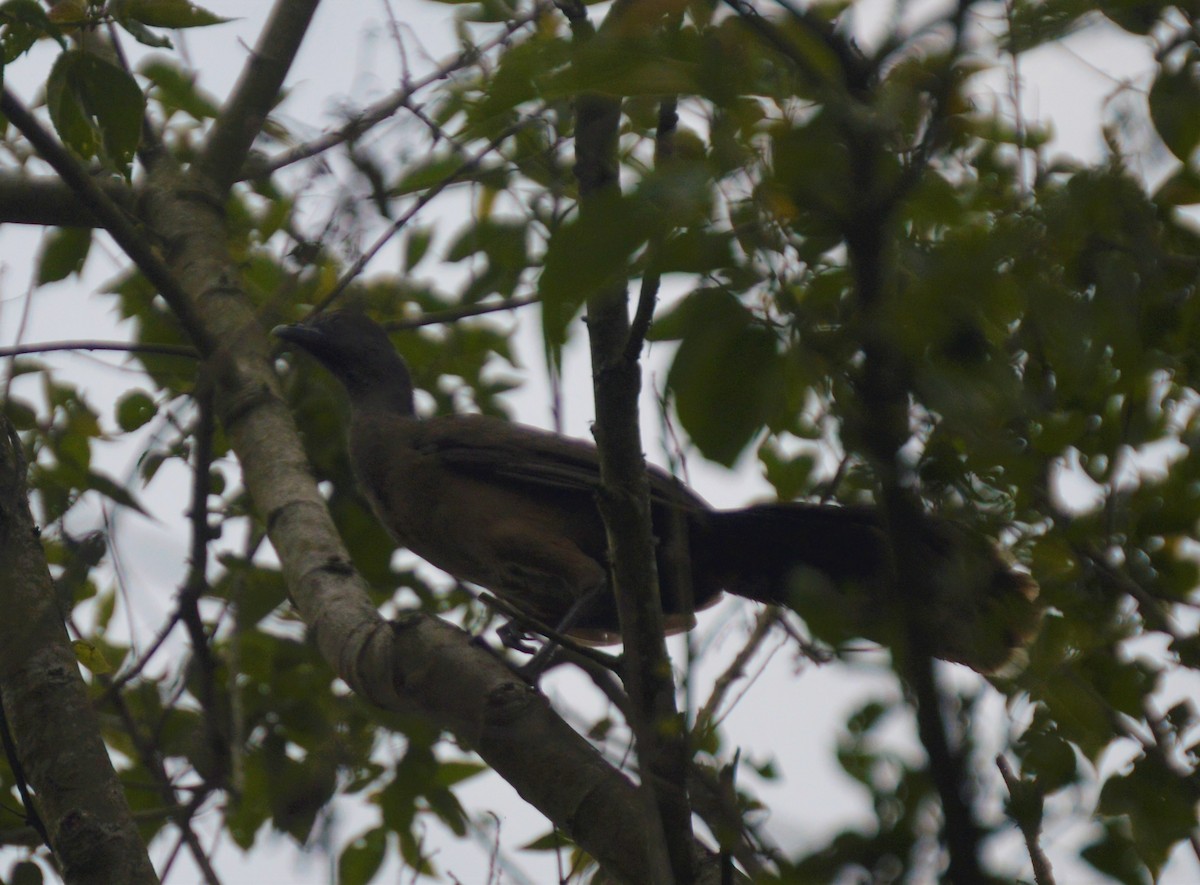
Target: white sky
<point>792,717</point>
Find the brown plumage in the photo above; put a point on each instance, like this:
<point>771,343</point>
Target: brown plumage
<point>512,508</point>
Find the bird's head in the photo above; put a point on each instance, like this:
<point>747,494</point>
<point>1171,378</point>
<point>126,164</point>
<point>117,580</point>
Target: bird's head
<point>358,352</point>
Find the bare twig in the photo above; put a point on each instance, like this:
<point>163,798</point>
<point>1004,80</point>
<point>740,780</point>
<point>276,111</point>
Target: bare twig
<point>1027,819</point>
<point>454,314</point>
<point>119,346</point>
<point>351,273</point>
<point>385,108</point>
<point>767,618</point>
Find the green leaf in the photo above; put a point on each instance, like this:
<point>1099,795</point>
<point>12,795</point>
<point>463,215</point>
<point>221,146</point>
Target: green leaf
<point>362,858</point>
<point>134,409</point>
<point>620,67</point>
<point>25,872</point>
<point>416,246</point>
<point>552,840</point>
<point>22,415</point>
<point>587,254</point>
<point>91,657</point>
<point>1174,98</point>
<point>64,251</point>
<point>727,377</point>
<point>67,110</point>
<point>145,36</point>
<point>1113,854</point>
<point>696,252</point>
<point>1136,16</point>
<point>1159,804</point>
<point>176,89</point>
<point>165,13</point>
<point>427,174</point>
<point>111,489</point>
<point>22,23</point>
<point>94,103</point>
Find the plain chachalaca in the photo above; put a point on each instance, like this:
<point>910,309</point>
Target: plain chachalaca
<point>512,508</point>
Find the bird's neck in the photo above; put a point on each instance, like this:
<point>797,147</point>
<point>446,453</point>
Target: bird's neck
<point>380,388</point>
<point>393,399</point>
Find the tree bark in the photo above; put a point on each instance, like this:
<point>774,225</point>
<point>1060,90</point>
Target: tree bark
<point>54,728</point>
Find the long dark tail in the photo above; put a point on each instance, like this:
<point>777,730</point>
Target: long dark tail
<point>756,551</point>
<point>831,565</point>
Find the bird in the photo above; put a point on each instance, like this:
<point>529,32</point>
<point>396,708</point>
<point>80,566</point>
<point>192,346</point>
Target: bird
<point>512,508</point>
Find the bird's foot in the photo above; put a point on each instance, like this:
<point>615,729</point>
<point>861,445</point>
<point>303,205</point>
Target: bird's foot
<point>512,636</point>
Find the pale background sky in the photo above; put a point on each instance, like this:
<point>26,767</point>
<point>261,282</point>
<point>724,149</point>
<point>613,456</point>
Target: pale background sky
<point>349,59</point>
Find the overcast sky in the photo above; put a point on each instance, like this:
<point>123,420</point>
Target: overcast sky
<point>349,58</point>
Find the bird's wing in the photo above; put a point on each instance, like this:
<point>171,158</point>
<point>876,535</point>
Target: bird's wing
<point>485,446</point>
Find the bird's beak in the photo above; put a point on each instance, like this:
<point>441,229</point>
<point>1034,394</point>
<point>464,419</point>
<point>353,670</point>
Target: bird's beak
<point>298,333</point>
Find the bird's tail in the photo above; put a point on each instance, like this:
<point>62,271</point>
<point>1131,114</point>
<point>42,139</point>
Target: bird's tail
<point>832,565</point>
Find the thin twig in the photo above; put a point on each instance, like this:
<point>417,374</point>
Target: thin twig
<point>454,314</point>
<point>1043,873</point>
<point>767,618</point>
<point>386,107</point>
<point>119,346</point>
<point>352,272</point>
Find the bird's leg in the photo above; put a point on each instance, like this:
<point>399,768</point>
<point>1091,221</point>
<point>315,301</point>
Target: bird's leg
<point>556,638</point>
<point>518,625</point>
<point>513,635</point>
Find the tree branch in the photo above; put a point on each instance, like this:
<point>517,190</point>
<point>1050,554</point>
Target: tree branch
<point>117,346</point>
<point>114,219</point>
<point>47,201</point>
<point>385,108</point>
<point>624,500</point>
<point>54,726</point>
<point>256,92</point>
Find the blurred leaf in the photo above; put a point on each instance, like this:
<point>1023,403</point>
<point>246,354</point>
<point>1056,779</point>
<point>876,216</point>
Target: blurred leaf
<point>176,89</point>
<point>1159,804</point>
<point>362,857</point>
<point>25,872</point>
<point>1114,855</point>
<point>135,409</point>
<point>94,103</point>
<point>1174,98</point>
<point>726,377</point>
<point>164,13</point>
<point>22,23</point>
<point>585,255</point>
<point>64,251</point>
<point>110,489</point>
<point>91,657</point>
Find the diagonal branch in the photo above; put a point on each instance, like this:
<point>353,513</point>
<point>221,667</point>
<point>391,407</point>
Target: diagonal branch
<point>114,219</point>
<point>256,92</point>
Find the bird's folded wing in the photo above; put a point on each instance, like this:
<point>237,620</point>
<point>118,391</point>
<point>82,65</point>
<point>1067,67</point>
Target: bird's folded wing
<point>491,447</point>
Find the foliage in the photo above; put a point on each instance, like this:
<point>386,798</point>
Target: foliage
<point>1041,316</point>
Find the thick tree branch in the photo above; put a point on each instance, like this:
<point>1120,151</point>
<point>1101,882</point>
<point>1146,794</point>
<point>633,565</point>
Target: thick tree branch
<point>624,500</point>
<point>46,704</point>
<point>884,432</point>
<point>256,92</point>
<point>47,201</point>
